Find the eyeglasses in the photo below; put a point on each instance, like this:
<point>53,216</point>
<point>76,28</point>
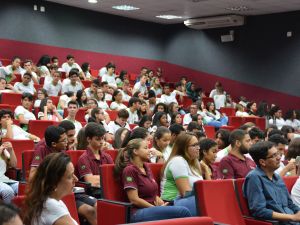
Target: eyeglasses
<point>273,156</point>
<point>195,145</point>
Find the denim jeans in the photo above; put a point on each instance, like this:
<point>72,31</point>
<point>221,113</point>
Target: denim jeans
<point>189,203</point>
<point>159,213</point>
<point>223,122</point>
<point>8,191</point>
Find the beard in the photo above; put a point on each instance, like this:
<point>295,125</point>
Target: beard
<point>243,149</point>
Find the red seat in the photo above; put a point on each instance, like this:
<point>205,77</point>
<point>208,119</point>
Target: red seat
<point>86,83</point>
<point>228,111</point>
<point>7,106</point>
<point>69,200</point>
<point>156,171</point>
<point>38,127</point>
<point>250,119</point>
<point>113,153</point>
<point>181,221</point>
<point>5,62</point>
<point>289,182</point>
<point>94,73</point>
<point>18,78</point>
<point>80,115</point>
<point>19,201</point>
<point>238,186</point>
<point>27,157</point>
<point>261,123</point>
<point>37,86</point>
<point>186,101</point>
<point>205,100</point>
<point>213,198</point>
<point>132,126</point>
<point>11,98</point>
<point>235,121</point>
<point>210,131</point>
<point>55,100</point>
<point>112,114</point>
<point>230,128</point>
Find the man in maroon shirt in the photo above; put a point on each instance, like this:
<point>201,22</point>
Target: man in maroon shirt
<point>56,141</point>
<point>90,161</point>
<point>236,164</point>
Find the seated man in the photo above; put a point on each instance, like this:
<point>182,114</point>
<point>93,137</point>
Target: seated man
<point>268,197</point>
<point>25,85</point>
<point>89,162</point>
<point>121,121</point>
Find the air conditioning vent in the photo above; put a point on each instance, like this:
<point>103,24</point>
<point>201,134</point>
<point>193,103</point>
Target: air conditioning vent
<point>215,22</point>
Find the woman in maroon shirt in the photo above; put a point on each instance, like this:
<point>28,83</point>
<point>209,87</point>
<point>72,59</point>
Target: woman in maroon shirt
<point>140,186</point>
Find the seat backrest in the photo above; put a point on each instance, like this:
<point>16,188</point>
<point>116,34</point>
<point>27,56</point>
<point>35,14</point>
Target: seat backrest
<point>112,114</point>
<point>217,199</point>
<point>206,100</point>
<point>210,131</point>
<point>27,157</point>
<point>261,123</point>
<point>228,111</point>
<point>19,146</point>
<point>156,171</point>
<point>181,221</point>
<point>38,127</point>
<point>289,182</point>
<point>235,121</point>
<point>113,153</point>
<point>11,98</point>
<point>111,187</point>
<point>243,203</point>
<point>80,115</point>
<point>75,155</point>
<point>250,119</point>
<point>69,200</point>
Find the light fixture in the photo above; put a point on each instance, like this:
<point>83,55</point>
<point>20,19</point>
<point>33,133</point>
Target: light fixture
<point>125,7</point>
<point>239,8</point>
<point>169,17</point>
<point>93,1</point>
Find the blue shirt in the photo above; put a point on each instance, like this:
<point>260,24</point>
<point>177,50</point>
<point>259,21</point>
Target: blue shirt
<point>265,195</point>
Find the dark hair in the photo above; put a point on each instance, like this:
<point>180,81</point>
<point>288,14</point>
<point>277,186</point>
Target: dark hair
<point>275,131</point>
<point>158,135</point>
<point>193,125</point>
<point>27,61</point>
<point>67,125</point>
<point>69,93</point>
<point>74,71</point>
<point>144,119</point>
<point>44,91</point>
<point>27,74</point>
<point>53,58</point>
<point>205,145</point>
<point>156,118</point>
<point>278,139</point>
<point>103,83</point>
<point>224,136</point>
<point>80,103</point>
<point>236,135</point>
<point>123,113</point>
<point>93,115</point>
<point>262,109</point>
<point>15,57</point>
<point>176,129</point>
<point>96,82</point>
<point>287,129</point>
<point>70,57</point>
<point>294,149</point>
<point>81,139</point>
<point>110,65</point>
<point>273,110</point>
<point>94,130</point>
<point>256,132</point>
<point>7,212</point>
<point>133,100</point>
<point>85,66</point>
<point>116,92</point>
<point>73,103</point>
<point>5,112</point>
<point>151,94</point>
<point>139,132</point>
<point>208,104</point>
<point>44,60</point>
<point>260,150</point>
<point>27,95</point>
<point>52,134</point>
<point>177,84</point>
<point>173,117</point>
<point>43,104</point>
<point>160,104</point>
<point>47,176</point>
<point>117,144</point>
<point>122,74</point>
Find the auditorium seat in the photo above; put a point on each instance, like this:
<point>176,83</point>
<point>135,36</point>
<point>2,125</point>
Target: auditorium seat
<point>112,114</point>
<point>113,153</point>
<point>94,73</point>
<point>11,98</point>
<point>261,123</point>
<point>186,101</point>
<point>27,156</point>
<point>205,100</point>
<point>210,131</point>
<point>80,116</point>
<point>290,181</point>
<point>5,62</point>
<point>132,126</point>
<point>19,201</point>
<point>228,111</point>
<point>69,200</point>
<point>180,221</point>
<point>217,199</point>
<point>7,106</point>
<point>235,121</point>
<point>55,100</point>
<point>38,127</point>
<point>86,83</point>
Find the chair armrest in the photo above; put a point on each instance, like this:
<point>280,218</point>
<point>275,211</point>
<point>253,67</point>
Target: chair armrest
<point>14,173</point>
<point>121,212</point>
<point>255,221</point>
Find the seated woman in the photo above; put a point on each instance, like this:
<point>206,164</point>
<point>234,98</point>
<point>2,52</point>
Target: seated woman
<point>117,101</point>
<point>86,68</point>
<point>161,140</point>
<point>240,111</point>
<point>159,119</point>
<point>8,187</point>
<point>161,107</point>
<point>11,131</point>
<point>156,87</point>
<point>100,97</point>
<point>53,180</point>
<point>252,108</point>
<point>23,112</point>
<point>41,94</point>
<point>121,78</point>
<point>143,110</point>
<point>146,122</point>
<point>276,117</point>
<point>208,155</point>
<point>81,98</point>
<point>214,117</point>
<point>181,171</point>
<point>48,111</point>
<point>176,118</point>
<point>98,116</point>
<point>5,87</point>
<point>119,137</point>
<point>140,186</point>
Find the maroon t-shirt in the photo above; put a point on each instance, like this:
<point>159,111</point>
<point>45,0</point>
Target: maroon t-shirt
<point>88,164</point>
<point>232,167</point>
<point>145,184</point>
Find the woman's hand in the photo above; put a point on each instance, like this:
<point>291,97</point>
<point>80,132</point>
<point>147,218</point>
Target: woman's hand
<point>159,202</point>
<point>155,152</point>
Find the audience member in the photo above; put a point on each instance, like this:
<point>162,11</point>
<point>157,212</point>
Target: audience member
<point>208,155</point>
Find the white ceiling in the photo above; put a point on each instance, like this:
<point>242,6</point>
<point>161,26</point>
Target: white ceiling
<point>186,8</point>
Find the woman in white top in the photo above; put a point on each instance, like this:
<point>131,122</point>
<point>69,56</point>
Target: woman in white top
<point>86,67</point>
<point>23,112</point>
<point>214,117</point>
<point>100,97</point>
<point>117,101</point>
<point>290,119</point>
<point>53,180</point>
<point>43,65</point>
<point>240,111</point>
<point>181,171</point>
<point>276,117</point>
<point>48,111</point>
<point>155,86</point>
<point>8,187</point>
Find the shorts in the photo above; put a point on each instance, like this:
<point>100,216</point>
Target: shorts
<point>84,199</point>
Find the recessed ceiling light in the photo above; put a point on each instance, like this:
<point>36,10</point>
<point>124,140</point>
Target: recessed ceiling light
<point>125,7</point>
<point>169,17</point>
<point>239,8</point>
<point>93,1</point>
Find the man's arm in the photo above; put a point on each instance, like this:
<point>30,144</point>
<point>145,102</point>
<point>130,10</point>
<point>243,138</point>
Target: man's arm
<point>226,170</point>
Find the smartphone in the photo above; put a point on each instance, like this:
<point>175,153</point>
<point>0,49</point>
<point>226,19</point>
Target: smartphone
<point>297,160</point>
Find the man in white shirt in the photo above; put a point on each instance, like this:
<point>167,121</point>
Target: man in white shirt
<point>75,84</point>
<point>25,86</point>
<point>28,69</point>
<point>168,97</point>
<point>188,117</point>
<point>92,90</point>
<point>70,64</point>
<point>54,87</point>
<point>134,105</point>
<point>126,91</point>
<point>110,77</point>
<point>104,87</point>
<point>10,71</point>
<point>72,111</point>
<point>141,86</point>
<point>121,121</point>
